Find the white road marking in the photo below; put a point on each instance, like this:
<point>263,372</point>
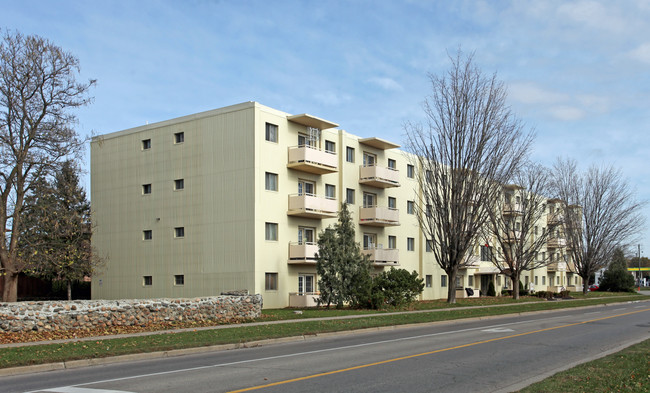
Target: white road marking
<point>498,330</point>
<point>71,389</point>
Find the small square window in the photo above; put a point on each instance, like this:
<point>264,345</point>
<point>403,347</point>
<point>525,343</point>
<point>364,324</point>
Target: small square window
<point>147,281</point>
<point>443,281</point>
<point>330,147</point>
<point>349,154</point>
<point>179,279</point>
<point>349,196</point>
<point>429,280</point>
<point>271,231</point>
<point>146,189</point>
<point>330,191</point>
<point>410,244</point>
<point>270,181</point>
<point>410,207</point>
<point>147,234</point>
<point>410,171</point>
<point>179,232</point>
<point>271,133</point>
<point>146,144</point>
<point>271,281</point>
<point>179,184</point>
<point>392,164</point>
<point>179,137</point>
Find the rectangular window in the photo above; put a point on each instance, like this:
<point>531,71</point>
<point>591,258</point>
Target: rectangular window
<point>271,132</point>
<point>271,231</point>
<point>429,211</point>
<point>369,199</point>
<point>410,244</point>
<point>505,284</point>
<point>486,253</point>
<point>429,246</point>
<point>459,282</point>
<point>146,144</point>
<point>147,234</point>
<point>330,191</point>
<point>146,189</point>
<point>330,146</point>
<point>557,280</point>
<point>392,164</point>
<point>443,281</point>
<point>271,281</point>
<point>470,281</point>
<point>147,281</point>
<point>429,280</point>
<point>543,280</point>
<point>392,203</point>
<point>392,242</point>
<point>349,154</point>
<point>179,137</point>
<point>179,184</point>
<point>369,159</point>
<point>410,207</point>
<point>536,280</point>
<point>179,232</point>
<point>410,171</point>
<point>349,196</point>
<point>270,181</point>
<point>179,279</point>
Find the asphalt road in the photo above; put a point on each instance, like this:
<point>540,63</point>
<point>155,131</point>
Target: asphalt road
<point>498,354</point>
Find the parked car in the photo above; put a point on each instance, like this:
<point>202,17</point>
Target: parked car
<point>593,287</point>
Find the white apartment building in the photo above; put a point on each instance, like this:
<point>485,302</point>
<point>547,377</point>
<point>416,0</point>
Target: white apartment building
<point>234,198</point>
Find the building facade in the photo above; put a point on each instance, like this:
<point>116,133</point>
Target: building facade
<point>235,198</point>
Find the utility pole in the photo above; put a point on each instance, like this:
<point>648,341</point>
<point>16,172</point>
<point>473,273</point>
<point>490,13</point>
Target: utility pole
<point>639,272</point>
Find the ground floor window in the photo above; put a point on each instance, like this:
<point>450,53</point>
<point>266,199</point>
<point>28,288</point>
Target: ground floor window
<point>429,280</point>
<point>271,281</point>
<point>443,281</point>
<point>470,281</point>
<point>306,283</point>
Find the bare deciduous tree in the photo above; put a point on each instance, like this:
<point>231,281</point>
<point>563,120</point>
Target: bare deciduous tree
<point>470,147</point>
<point>601,214</point>
<point>516,229</point>
<point>38,88</point>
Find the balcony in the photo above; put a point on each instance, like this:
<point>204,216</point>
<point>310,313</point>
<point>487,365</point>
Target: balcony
<point>380,177</point>
<point>311,206</point>
<point>513,236</point>
<point>556,242</point>
<point>303,299</point>
<point>382,256</point>
<point>378,216</point>
<point>556,267</point>
<point>309,159</point>
<point>302,253</point>
<point>512,209</point>
<point>472,262</point>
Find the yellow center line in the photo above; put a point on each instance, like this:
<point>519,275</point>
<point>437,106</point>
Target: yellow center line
<point>428,353</point>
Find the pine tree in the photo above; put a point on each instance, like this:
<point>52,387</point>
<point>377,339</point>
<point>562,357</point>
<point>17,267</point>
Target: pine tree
<point>344,273</point>
<point>616,278</point>
<point>55,241</point>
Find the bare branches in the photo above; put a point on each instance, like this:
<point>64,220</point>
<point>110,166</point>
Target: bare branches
<point>470,147</point>
<point>601,213</point>
<point>38,87</point>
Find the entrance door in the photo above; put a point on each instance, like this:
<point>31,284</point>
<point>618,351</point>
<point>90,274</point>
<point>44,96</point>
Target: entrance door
<point>485,283</point>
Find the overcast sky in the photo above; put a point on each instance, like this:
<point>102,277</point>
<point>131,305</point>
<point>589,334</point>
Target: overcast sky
<point>578,72</point>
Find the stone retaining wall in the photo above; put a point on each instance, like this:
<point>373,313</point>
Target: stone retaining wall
<point>76,314</point>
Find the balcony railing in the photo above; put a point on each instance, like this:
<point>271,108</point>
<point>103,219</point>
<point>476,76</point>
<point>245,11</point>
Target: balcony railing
<point>378,216</point>
<point>303,299</point>
<point>382,256</point>
<point>376,176</point>
<point>511,209</point>
<point>311,206</point>
<point>556,242</point>
<point>310,159</point>
<point>302,253</point>
<point>556,267</point>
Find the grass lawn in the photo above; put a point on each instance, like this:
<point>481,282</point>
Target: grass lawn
<point>49,353</point>
<point>624,371</point>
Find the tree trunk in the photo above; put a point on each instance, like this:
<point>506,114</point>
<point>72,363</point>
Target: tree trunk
<point>69,290</point>
<point>515,286</point>
<point>10,291</point>
<point>585,285</point>
<point>451,287</point>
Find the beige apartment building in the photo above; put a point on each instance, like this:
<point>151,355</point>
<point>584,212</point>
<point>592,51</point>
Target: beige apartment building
<point>234,198</point>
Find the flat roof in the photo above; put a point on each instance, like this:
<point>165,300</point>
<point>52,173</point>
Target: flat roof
<point>379,143</point>
<point>311,121</point>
